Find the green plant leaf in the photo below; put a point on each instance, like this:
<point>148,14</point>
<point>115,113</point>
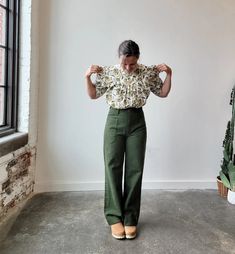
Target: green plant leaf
<point>225,180</point>
<point>231,167</point>
<point>226,156</point>
<point>224,169</point>
<point>231,174</point>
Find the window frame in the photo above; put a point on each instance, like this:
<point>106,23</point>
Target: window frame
<point>11,67</point>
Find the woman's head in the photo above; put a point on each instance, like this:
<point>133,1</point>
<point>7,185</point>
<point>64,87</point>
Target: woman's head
<point>129,53</point>
<point>128,48</point>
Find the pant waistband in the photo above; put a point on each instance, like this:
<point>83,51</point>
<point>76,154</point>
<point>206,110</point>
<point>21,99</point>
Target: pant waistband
<point>118,110</point>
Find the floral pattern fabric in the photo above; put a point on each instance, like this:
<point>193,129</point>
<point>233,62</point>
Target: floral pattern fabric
<point>124,90</point>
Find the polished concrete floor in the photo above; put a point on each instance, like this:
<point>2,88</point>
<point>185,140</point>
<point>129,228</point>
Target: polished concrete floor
<point>177,222</point>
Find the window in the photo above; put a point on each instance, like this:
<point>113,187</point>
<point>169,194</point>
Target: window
<point>9,52</point>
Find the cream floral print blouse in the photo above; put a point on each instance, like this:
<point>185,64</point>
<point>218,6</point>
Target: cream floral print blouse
<point>124,90</point>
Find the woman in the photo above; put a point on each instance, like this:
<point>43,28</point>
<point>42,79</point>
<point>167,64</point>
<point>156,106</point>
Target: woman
<point>127,87</point>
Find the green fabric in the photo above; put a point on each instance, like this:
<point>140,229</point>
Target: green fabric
<point>124,142</point>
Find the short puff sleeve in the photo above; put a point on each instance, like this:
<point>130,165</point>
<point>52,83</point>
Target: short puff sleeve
<point>155,82</point>
<point>102,82</point>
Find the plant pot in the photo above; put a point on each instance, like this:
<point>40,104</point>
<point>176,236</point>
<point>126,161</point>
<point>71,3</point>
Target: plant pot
<point>223,190</point>
<point>231,197</point>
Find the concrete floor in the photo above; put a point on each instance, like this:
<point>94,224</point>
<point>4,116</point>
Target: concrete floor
<point>184,222</point>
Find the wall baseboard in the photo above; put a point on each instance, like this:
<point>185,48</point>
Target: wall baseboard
<point>99,185</point>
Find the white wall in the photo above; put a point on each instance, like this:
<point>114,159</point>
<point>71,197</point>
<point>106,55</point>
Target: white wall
<point>185,130</point>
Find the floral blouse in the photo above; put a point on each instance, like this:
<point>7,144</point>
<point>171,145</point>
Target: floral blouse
<point>124,90</point>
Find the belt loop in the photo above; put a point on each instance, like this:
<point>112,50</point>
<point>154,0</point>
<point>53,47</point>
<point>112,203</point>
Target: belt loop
<point>119,111</point>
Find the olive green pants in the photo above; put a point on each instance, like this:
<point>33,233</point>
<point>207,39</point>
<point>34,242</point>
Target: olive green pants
<point>124,141</point>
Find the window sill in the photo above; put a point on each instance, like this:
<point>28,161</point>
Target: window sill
<point>12,142</point>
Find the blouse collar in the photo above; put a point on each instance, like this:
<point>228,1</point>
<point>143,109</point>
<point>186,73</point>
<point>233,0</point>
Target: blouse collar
<point>127,73</point>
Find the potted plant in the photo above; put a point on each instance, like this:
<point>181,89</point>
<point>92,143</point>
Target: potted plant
<point>228,150</point>
<point>229,182</point>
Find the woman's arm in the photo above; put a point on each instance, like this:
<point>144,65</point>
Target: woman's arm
<point>167,82</point>
<point>91,90</point>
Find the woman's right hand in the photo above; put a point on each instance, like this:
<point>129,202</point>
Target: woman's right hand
<point>93,69</point>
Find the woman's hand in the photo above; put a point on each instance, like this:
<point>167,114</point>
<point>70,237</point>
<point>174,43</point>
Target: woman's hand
<point>93,69</point>
<point>91,90</point>
<point>163,68</point>
<point>167,82</point>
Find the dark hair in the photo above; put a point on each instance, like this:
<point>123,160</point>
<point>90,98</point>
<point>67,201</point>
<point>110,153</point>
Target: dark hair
<point>128,48</point>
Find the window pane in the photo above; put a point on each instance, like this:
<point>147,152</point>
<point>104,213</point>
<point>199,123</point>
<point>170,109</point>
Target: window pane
<point>3,2</point>
<point>1,105</point>
<point>2,26</point>
<point>2,66</point>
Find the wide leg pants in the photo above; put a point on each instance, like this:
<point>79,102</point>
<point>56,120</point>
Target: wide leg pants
<point>124,142</point>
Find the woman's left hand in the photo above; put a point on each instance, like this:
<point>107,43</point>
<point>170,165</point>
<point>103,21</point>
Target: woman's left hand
<point>163,68</point>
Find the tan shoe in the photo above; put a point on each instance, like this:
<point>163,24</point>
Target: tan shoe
<point>131,232</point>
<point>118,231</point>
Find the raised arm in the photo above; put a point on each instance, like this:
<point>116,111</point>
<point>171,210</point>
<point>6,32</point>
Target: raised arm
<point>167,82</point>
<point>91,90</point>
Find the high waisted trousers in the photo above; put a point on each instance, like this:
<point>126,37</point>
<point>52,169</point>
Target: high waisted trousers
<point>124,142</point>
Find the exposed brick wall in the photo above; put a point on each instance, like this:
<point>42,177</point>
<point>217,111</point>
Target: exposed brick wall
<point>16,178</point>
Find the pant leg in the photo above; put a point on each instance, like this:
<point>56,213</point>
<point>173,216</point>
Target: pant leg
<point>114,148</point>
<point>134,164</point>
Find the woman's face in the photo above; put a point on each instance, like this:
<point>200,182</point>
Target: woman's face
<point>129,63</point>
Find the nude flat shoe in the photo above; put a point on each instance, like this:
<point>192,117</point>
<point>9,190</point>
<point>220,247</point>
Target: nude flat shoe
<point>118,231</point>
<point>131,232</point>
